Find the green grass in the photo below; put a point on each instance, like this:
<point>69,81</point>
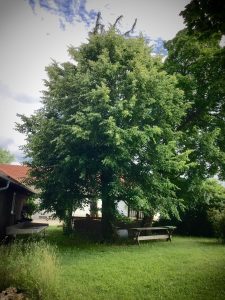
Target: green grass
<point>186,268</point>
<point>31,267</point>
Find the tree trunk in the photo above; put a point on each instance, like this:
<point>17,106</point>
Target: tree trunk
<point>108,207</point>
<point>68,226</point>
<point>147,220</point>
<point>94,208</point>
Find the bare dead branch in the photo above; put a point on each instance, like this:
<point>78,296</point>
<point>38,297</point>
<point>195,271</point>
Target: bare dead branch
<point>117,21</point>
<point>97,23</point>
<point>132,28</point>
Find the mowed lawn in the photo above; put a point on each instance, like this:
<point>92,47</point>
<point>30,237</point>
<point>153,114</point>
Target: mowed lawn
<point>186,268</point>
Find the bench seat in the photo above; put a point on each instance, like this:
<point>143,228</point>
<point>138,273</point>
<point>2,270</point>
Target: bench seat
<point>153,237</point>
<point>152,233</point>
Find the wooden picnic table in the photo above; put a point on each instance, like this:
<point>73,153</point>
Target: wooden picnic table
<point>153,233</point>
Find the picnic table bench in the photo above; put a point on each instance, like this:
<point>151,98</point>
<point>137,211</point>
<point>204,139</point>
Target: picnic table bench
<point>152,233</point>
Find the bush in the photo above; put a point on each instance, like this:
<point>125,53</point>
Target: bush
<point>121,218</point>
<point>199,197</point>
<point>217,218</point>
<point>31,267</point>
<point>30,207</point>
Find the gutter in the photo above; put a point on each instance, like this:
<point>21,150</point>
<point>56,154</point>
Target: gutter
<point>14,182</point>
<point>5,187</point>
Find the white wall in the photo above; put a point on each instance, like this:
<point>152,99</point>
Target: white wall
<point>122,208</point>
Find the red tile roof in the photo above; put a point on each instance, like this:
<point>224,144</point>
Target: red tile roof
<point>16,172</point>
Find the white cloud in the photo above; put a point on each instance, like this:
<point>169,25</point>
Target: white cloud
<point>5,92</point>
<point>5,142</point>
<point>9,108</point>
<point>28,42</point>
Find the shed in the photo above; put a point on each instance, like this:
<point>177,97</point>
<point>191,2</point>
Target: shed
<point>13,194</point>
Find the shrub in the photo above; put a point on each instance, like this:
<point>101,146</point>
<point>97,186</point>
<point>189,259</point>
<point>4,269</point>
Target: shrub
<point>121,218</point>
<point>199,198</point>
<point>217,218</point>
<point>31,267</point>
<point>30,207</point>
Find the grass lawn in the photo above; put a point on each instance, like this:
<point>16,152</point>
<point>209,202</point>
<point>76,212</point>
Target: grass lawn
<point>186,268</point>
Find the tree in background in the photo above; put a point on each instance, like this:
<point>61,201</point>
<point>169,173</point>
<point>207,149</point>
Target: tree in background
<point>197,59</point>
<point>201,76</point>
<point>108,129</point>
<point>5,156</point>
<point>205,16</point>
<point>203,201</point>
<point>217,218</point>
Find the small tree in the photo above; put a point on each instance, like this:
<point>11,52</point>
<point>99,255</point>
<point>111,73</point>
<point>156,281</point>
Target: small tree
<point>5,156</point>
<point>107,129</point>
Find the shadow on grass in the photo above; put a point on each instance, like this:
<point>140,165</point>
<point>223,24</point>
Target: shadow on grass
<point>55,236</point>
<point>210,242</point>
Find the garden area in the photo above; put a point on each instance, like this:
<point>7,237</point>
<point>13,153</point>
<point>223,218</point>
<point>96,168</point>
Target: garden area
<point>71,267</point>
<point>123,122</point>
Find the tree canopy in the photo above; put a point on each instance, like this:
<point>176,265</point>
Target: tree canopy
<point>196,57</point>
<point>205,16</point>
<point>108,129</point>
<point>199,67</point>
<point>5,156</point>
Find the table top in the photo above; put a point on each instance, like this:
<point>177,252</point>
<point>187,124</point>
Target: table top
<point>154,228</point>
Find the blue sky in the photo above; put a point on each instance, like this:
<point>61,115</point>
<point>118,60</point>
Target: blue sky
<point>68,10</point>
<point>33,32</point>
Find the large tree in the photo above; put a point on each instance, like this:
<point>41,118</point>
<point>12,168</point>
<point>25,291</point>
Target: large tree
<point>108,129</point>
<point>205,16</point>
<point>199,67</point>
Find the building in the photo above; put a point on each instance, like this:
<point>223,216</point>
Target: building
<point>13,194</point>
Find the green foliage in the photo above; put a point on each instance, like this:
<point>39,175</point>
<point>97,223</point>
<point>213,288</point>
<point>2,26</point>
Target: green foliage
<point>217,218</point>
<point>200,197</point>
<point>5,156</point>
<point>199,67</point>
<point>32,267</point>
<point>204,16</point>
<point>112,114</point>
<point>121,218</point>
<point>30,207</point>
<point>209,193</point>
